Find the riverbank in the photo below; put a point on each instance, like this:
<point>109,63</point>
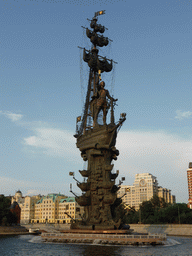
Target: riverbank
<point>168,229</point>
<point>13,230</point>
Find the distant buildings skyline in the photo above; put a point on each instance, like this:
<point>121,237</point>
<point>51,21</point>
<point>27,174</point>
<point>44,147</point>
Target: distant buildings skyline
<point>52,208</point>
<point>58,208</point>
<point>143,189</point>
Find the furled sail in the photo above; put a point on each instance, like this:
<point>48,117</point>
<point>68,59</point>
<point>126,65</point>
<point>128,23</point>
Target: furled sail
<point>95,63</point>
<point>96,39</point>
<point>97,27</point>
<point>104,65</point>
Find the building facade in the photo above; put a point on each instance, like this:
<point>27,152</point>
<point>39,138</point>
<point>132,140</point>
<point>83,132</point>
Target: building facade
<point>57,208</point>
<point>18,197</point>
<point>69,209</point>
<point>189,179</point>
<point>53,208</point>
<point>27,206</point>
<point>28,209</point>
<point>47,208</point>
<point>166,195</point>
<point>143,189</point>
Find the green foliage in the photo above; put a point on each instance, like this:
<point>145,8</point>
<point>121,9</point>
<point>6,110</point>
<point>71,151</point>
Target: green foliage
<point>127,215</point>
<point>158,202</point>
<point>157,211</point>
<point>120,213</point>
<point>4,207</point>
<point>132,216</point>
<point>178,213</point>
<point>6,217</point>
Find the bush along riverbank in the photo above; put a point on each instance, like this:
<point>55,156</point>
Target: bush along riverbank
<point>157,211</point>
<point>168,229</point>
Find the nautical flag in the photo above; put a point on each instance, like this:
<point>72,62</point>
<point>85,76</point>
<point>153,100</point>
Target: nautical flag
<point>71,173</point>
<point>78,119</point>
<point>123,115</point>
<point>99,13</point>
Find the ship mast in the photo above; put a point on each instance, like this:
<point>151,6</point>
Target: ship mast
<point>97,64</point>
<point>97,142</point>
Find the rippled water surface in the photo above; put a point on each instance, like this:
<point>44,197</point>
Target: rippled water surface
<point>31,245</point>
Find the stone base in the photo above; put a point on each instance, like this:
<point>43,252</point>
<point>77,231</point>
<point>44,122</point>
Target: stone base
<point>88,231</point>
<point>94,227</point>
<point>88,226</point>
<point>103,238</point>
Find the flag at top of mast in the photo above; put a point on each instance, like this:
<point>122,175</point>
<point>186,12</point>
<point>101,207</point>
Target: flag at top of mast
<point>99,13</point>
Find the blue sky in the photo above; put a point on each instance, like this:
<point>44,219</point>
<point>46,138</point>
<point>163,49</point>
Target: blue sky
<point>42,92</point>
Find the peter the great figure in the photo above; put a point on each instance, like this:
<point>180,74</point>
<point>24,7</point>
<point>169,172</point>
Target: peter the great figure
<point>102,103</point>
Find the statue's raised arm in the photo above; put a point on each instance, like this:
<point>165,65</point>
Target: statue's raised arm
<point>109,96</point>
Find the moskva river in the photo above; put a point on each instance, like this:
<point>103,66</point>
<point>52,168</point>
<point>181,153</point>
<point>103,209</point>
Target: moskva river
<point>32,245</point>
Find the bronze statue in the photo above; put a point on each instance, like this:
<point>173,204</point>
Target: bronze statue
<point>97,142</point>
<point>102,103</point>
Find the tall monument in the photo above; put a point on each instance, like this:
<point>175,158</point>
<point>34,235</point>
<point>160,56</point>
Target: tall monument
<point>96,140</point>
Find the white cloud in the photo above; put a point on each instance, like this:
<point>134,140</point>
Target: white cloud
<point>9,186</point>
<point>45,139</point>
<point>32,192</point>
<point>149,149</point>
<point>164,155</point>
<point>12,116</point>
<point>8,182</point>
<point>51,141</point>
<point>181,115</point>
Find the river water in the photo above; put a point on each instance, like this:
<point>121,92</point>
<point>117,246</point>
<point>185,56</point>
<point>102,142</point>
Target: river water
<point>31,245</point>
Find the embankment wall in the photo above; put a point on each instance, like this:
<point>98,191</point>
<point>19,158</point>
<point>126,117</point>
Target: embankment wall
<point>47,227</point>
<point>169,229</point>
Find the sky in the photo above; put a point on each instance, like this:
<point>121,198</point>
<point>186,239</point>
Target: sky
<point>43,86</point>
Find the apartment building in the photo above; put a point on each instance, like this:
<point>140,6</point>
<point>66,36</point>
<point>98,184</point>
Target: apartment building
<point>27,206</point>
<point>53,208</point>
<point>166,195</point>
<point>57,208</point>
<point>189,179</point>
<point>28,209</point>
<point>47,208</point>
<point>143,189</point>
<point>69,209</point>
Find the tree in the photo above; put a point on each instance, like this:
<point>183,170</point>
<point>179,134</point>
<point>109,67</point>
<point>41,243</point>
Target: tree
<point>132,216</point>
<point>4,207</point>
<point>6,216</point>
<point>146,211</point>
<point>158,202</point>
<point>157,211</point>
